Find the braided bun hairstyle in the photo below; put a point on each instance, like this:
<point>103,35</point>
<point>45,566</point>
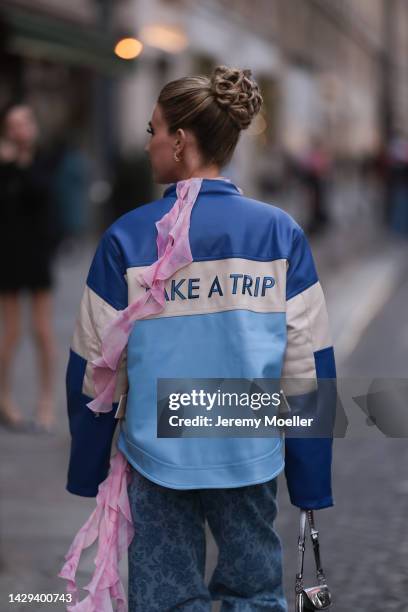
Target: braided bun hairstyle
<point>237,93</point>
<point>215,108</point>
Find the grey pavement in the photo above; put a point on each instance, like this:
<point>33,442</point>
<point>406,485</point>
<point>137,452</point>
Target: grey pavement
<point>364,539</point>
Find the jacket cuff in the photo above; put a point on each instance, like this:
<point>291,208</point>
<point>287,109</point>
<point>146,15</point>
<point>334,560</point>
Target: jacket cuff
<point>83,492</point>
<point>308,472</point>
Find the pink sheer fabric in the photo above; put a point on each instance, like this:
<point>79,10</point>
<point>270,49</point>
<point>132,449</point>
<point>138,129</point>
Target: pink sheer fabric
<point>173,248</point>
<point>111,520</point>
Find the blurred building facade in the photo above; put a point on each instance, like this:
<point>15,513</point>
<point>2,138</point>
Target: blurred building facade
<point>328,69</point>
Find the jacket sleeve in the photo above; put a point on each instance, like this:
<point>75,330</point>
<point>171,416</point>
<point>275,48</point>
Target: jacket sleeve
<point>105,293</point>
<point>310,357</point>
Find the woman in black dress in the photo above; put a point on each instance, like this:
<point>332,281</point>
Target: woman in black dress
<point>26,249</point>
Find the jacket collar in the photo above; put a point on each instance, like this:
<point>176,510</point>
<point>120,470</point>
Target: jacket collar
<point>214,186</point>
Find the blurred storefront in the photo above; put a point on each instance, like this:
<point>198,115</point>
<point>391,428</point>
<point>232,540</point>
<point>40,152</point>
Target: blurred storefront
<point>59,57</point>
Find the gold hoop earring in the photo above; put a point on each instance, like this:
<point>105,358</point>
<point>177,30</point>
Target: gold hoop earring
<point>176,158</point>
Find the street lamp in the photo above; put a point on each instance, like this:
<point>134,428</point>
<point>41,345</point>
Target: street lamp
<point>128,48</point>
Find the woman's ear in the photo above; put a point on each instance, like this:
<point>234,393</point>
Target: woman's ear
<point>180,141</point>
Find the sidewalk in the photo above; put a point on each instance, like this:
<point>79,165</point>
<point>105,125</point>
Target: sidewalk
<point>359,270</point>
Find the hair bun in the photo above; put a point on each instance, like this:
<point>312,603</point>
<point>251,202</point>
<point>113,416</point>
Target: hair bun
<point>237,93</point>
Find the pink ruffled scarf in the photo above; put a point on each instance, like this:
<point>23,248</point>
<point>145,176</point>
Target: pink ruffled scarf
<point>111,521</point>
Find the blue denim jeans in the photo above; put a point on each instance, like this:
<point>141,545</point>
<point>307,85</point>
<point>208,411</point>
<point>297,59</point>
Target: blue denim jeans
<point>167,554</point>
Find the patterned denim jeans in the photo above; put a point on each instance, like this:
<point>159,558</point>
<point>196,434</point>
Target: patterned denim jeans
<point>167,554</point>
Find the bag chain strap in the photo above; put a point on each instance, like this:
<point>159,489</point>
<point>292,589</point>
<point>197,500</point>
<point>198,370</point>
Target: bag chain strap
<point>314,534</point>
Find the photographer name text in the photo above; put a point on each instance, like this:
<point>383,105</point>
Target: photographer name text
<point>266,421</point>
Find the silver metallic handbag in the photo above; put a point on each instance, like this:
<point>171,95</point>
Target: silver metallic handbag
<point>316,597</point>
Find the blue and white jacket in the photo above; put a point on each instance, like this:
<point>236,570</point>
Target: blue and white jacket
<point>264,317</point>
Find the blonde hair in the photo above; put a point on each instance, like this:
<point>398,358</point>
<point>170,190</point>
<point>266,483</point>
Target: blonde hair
<point>214,108</point>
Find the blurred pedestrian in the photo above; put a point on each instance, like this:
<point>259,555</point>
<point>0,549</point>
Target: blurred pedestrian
<point>398,183</point>
<point>315,166</point>
<point>70,193</point>
<point>247,303</point>
<point>26,249</point>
